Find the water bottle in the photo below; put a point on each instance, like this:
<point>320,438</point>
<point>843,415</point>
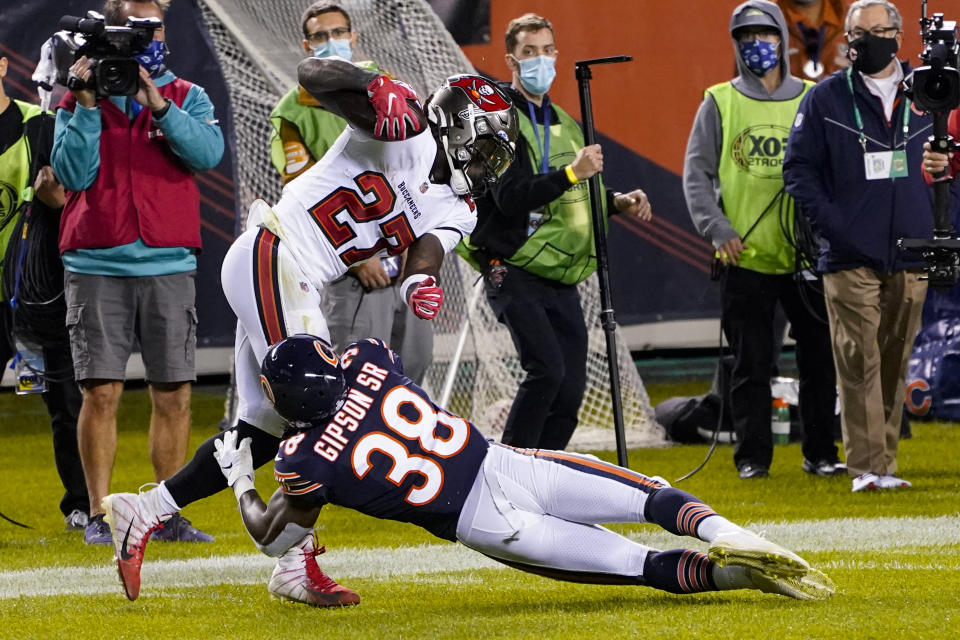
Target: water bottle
<point>28,368</point>
<point>780,421</point>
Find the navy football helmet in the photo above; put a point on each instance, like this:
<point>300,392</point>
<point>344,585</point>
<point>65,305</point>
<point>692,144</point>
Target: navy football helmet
<point>302,378</point>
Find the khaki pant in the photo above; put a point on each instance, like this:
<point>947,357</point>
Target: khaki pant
<point>874,319</point>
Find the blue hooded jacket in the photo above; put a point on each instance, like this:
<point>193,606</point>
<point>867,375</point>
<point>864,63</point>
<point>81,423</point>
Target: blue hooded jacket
<point>859,220</point>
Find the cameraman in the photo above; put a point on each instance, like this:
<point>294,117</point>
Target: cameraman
<point>852,164</point>
<point>129,237</point>
<point>934,163</point>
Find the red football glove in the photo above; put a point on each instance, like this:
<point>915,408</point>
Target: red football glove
<point>389,99</point>
<point>426,298</point>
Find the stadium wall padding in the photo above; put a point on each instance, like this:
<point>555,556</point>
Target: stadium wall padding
<point>643,111</point>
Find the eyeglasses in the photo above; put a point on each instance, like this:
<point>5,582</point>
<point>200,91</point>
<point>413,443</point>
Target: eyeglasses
<point>881,32</point>
<point>319,37</point>
<point>549,51</point>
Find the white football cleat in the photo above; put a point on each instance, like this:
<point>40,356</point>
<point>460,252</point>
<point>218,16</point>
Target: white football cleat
<point>747,549</point>
<point>298,577</point>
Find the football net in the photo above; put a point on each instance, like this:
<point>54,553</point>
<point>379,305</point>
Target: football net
<point>475,370</point>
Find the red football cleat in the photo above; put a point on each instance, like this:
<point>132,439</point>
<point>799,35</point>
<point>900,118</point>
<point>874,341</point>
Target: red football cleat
<point>130,535</point>
<point>298,577</point>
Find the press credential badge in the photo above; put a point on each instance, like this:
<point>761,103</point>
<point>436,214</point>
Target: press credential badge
<point>881,165</point>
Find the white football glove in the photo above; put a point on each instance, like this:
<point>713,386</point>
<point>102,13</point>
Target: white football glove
<point>236,462</point>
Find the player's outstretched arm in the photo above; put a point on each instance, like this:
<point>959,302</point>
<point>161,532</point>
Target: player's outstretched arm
<point>372,103</point>
<point>275,526</point>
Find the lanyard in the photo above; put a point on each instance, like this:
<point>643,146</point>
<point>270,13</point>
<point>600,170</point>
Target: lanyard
<point>856,113</point>
<point>544,147</point>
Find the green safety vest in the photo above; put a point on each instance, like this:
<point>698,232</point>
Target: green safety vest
<point>755,136</point>
<point>318,127</point>
<point>14,180</point>
<point>561,247</point>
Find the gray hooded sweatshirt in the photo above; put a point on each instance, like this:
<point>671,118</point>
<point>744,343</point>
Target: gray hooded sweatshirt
<point>701,184</point>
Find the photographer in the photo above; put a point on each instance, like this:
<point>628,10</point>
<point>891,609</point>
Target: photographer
<point>852,164</point>
<point>129,237</point>
<point>26,134</point>
<point>534,240</point>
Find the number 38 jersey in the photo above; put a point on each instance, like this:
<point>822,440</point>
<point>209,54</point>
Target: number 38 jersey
<point>389,452</point>
<point>364,197</point>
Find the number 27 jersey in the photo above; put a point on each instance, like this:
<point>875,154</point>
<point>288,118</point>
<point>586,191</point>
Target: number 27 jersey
<point>389,452</point>
<point>365,197</point>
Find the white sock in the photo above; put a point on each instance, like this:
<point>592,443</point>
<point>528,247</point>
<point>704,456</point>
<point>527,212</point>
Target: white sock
<point>714,526</point>
<point>157,503</point>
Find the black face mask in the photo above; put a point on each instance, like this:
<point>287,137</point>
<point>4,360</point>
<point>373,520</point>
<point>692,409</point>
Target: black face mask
<point>871,53</point>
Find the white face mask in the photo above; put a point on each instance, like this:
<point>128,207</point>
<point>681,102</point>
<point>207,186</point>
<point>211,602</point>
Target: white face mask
<point>537,74</point>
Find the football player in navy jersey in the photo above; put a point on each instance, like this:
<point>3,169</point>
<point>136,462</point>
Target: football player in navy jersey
<point>362,435</point>
<point>398,178</point>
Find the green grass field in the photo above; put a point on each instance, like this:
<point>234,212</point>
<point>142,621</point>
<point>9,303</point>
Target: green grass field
<point>894,556</point>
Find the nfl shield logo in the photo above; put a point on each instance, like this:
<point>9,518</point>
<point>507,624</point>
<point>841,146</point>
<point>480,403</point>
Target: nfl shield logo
<point>304,287</point>
<point>424,187</point>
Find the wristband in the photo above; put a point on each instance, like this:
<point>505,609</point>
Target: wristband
<point>159,113</point>
<point>241,486</point>
<point>415,279</point>
<point>571,176</point>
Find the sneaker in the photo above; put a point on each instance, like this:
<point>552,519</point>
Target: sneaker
<point>97,531</point>
<point>179,529</point>
<point>866,482</point>
<point>133,532</point>
<point>746,549</point>
<point>824,467</point>
<point>298,577</point>
<point>751,470</point>
<point>890,481</point>
<point>814,585</point>
<point>77,520</point>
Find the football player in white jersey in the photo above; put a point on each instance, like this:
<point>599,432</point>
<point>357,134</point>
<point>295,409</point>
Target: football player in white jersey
<point>400,177</point>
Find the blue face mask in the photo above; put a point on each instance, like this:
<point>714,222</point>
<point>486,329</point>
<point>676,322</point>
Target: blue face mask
<point>537,74</point>
<point>333,47</point>
<point>760,56</point>
<point>152,57</point>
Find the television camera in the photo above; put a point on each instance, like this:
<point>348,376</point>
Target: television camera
<point>935,88</point>
<point>114,71</point>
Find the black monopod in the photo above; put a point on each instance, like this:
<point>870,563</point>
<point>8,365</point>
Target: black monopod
<point>607,319</point>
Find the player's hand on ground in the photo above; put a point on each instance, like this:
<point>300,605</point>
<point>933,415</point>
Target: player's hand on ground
<point>81,70</point>
<point>394,115</point>
<point>426,299</point>
<point>371,274</point>
<point>49,191</point>
<point>588,162</point>
<point>235,460</point>
<point>935,163</point>
<point>634,204</point>
<point>730,250</point>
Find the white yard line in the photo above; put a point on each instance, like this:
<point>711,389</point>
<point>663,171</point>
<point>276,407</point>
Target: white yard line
<point>431,561</point>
